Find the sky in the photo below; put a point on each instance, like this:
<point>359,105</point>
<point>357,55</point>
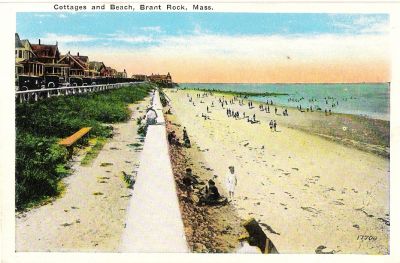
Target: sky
<point>224,47</point>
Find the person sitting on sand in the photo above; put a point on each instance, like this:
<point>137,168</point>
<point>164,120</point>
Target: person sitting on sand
<point>271,125</point>
<point>172,139</point>
<point>212,193</point>
<point>274,125</point>
<point>231,182</point>
<point>151,116</point>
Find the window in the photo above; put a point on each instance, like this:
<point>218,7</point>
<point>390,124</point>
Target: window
<point>20,53</point>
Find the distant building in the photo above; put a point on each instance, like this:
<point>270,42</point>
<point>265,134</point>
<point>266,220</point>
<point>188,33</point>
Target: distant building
<point>122,74</point>
<point>97,69</point>
<point>139,77</point>
<point>164,79</point>
<point>111,72</point>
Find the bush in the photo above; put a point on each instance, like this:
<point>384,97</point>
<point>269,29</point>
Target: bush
<point>40,162</point>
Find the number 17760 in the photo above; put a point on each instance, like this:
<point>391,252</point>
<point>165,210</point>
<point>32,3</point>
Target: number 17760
<point>366,238</point>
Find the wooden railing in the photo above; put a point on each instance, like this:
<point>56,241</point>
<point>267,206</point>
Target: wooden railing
<point>35,95</point>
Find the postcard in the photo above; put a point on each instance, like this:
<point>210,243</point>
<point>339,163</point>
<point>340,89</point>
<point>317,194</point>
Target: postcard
<point>229,131</point>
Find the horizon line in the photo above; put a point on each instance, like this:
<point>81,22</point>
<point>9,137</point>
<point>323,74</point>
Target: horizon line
<point>279,83</point>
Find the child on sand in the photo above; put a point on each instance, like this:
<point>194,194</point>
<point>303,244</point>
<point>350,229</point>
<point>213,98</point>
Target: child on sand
<point>231,182</point>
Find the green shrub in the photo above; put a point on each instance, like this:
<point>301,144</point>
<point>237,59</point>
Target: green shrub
<point>40,162</point>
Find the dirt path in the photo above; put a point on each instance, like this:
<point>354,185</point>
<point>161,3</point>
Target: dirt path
<point>90,216</point>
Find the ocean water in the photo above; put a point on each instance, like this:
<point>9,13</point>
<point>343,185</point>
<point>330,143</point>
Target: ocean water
<point>366,99</point>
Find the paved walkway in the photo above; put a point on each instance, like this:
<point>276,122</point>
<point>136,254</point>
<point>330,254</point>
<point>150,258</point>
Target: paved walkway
<point>154,222</point>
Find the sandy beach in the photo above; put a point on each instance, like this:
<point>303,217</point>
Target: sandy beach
<point>308,184</point>
<point>90,215</point>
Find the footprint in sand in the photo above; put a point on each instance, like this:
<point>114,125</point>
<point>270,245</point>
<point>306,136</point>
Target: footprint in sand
<point>67,224</point>
<point>337,202</point>
<point>114,148</point>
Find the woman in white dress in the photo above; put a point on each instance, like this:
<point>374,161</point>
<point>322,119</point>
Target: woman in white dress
<point>231,182</point>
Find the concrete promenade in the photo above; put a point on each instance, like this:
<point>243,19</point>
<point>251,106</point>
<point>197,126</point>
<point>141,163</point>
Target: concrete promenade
<point>154,222</point>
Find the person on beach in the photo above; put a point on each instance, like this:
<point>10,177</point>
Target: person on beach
<point>271,125</point>
<point>151,116</point>
<point>172,139</point>
<point>189,180</point>
<point>274,125</point>
<point>185,135</point>
<point>186,140</point>
<point>231,182</point>
<point>211,194</point>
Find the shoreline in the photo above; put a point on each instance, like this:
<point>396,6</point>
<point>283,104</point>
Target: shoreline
<point>354,136</point>
<point>273,94</point>
<point>310,191</point>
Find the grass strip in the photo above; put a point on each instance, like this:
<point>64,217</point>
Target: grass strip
<point>93,151</point>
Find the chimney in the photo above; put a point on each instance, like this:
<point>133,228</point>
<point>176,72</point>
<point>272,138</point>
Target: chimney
<point>78,54</point>
<point>56,43</point>
<point>39,41</point>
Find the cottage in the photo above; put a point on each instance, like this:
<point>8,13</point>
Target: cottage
<point>26,63</point>
<point>122,74</point>
<point>78,65</point>
<point>97,69</point>
<point>50,56</point>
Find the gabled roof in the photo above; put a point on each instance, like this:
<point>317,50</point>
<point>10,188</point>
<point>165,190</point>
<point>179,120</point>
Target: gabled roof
<point>74,58</point>
<point>18,43</point>
<point>26,43</point>
<point>84,59</point>
<point>39,48</point>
